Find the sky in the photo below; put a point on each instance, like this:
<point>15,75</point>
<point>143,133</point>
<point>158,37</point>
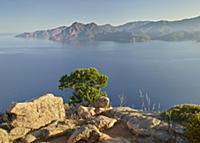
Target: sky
<point>18,16</point>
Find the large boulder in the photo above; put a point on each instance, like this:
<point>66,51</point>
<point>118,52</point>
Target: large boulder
<point>39,112</point>
<point>102,102</point>
<point>4,138</point>
<point>86,134</point>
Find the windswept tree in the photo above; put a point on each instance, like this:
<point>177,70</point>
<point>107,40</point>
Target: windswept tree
<point>86,84</point>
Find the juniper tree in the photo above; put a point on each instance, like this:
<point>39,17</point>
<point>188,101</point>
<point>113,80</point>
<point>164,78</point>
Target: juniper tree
<point>86,84</point>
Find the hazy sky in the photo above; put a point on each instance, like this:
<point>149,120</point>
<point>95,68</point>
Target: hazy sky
<point>30,15</point>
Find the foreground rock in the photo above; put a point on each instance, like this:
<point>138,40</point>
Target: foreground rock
<point>4,136</point>
<point>86,133</point>
<point>147,128</point>
<point>39,112</point>
<point>44,120</point>
<point>86,112</point>
<point>103,122</point>
<point>17,133</point>
<point>56,128</point>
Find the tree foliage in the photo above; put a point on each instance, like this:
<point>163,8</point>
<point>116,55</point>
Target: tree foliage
<point>86,83</point>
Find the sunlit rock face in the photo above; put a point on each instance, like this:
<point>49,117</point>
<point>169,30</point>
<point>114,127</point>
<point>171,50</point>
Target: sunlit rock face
<point>39,112</point>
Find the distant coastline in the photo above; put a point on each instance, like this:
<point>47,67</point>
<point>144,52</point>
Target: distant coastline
<point>139,31</point>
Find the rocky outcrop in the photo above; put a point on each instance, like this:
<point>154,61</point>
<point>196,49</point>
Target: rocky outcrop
<point>44,120</point>
<point>38,113</point>
<point>147,127</point>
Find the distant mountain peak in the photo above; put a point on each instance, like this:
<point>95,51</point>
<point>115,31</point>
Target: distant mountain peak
<point>76,24</point>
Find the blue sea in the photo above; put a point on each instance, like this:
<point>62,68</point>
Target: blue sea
<point>168,72</point>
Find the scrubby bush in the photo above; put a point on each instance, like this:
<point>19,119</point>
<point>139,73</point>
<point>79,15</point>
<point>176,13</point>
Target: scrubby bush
<point>187,115</point>
<point>193,129</point>
<point>182,113</point>
<point>86,83</point>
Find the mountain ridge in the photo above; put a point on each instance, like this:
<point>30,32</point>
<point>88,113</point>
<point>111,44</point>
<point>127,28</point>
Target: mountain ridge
<point>138,31</point>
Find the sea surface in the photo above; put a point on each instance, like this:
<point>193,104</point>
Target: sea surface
<point>167,72</point>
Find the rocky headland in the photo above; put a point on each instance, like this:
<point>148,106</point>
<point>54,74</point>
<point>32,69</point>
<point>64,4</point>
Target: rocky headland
<point>139,31</point>
<point>49,119</point>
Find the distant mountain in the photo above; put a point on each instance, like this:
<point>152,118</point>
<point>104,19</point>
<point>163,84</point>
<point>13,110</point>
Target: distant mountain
<point>140,31</point>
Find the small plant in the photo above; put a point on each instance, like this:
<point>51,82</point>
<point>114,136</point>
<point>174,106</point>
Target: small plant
<point>146,104</point>
<point>122,100</point>
<point>168,118</point>
<point>86,83</point>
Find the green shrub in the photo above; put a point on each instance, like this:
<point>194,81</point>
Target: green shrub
<point>187,115</point>
<point>193,129</point>
<point>86,83</point>
<point>182,113</point>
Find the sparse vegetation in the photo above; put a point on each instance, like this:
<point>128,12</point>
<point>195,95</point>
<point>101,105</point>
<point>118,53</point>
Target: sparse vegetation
<point>86,83</point>
<point>122,100</point>
<point>187,115</point>
<point>146,104</point>
<point>193,127</point>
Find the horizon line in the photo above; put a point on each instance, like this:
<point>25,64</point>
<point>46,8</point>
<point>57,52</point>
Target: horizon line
<point>120,24</point>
